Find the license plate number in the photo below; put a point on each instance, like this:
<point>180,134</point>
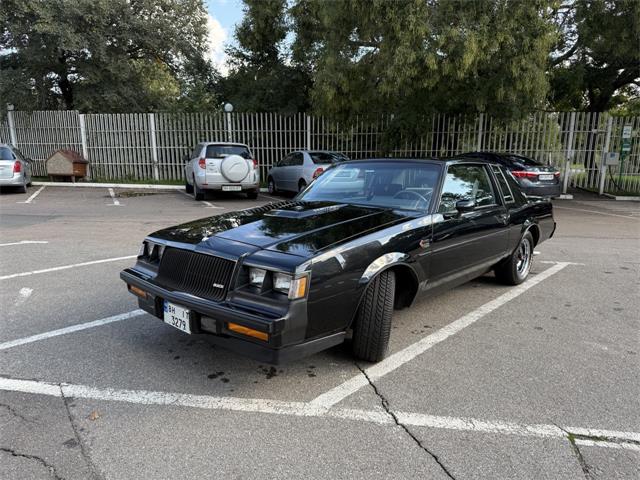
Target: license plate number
<point>546,176</point>
<point>231,188</point>
<point>177,316</point>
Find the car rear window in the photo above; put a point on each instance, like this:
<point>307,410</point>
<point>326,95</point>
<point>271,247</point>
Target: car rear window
<point>6,154</point>
<point>221,151</point>
<point>527,162</point>
<point>326,157</point>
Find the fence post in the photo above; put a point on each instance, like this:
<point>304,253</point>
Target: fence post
<point>603,163</point>
<point>154,148</point>
<point>229,127</point>
<point>480,133</point>
<point>308,146</point>
<point>83,140</point>
<point>12,126</point>
<point>567,167</point>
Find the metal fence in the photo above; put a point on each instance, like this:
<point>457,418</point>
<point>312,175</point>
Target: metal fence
<point>150,146</point>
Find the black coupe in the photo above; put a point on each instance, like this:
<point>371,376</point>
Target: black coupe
<point>289,279</point>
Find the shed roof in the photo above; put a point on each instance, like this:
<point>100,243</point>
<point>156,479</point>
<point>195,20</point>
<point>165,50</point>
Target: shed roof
<point>72,155</point>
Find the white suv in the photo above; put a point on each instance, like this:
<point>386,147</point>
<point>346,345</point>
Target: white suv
<point>226,167</point>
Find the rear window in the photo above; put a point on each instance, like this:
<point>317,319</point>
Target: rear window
<point>527,162</point>
<point>326,157</point>
<point>221,151</point>
<point>6,154</point>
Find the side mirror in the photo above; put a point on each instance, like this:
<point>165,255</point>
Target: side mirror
<point>463,206</point>
<point>185,157</point>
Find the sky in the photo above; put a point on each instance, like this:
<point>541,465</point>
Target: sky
<point>223,16</point>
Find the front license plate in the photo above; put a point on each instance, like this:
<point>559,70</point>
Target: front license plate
<point>545,177</point>
<point>177,316</point>
<point>231,188</point>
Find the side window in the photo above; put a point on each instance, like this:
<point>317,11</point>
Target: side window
<point>504,186</point>
<point>285,162</point>
<point>297,159</point>
<point>518,196</point>
<point>466,182</point>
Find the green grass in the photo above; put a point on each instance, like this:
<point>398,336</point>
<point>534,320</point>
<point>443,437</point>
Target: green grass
<point>132,181</point>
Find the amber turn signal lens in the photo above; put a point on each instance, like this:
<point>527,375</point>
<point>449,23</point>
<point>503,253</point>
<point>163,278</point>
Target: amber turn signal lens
<point>298,288</point>
<point>137,291</point>
<point>234,327</point>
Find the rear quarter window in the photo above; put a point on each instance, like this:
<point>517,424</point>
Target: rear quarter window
<point>6,154</point>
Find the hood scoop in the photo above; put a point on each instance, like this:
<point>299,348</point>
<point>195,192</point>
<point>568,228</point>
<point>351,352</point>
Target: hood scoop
<point>300,211</point>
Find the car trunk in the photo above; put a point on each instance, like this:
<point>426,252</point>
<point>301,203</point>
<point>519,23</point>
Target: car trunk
<point>6,168</point>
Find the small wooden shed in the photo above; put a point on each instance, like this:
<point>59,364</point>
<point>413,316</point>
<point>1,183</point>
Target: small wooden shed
<point>67,164</point>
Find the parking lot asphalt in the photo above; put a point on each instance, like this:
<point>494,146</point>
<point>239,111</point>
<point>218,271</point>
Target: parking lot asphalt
<point>484,381</point>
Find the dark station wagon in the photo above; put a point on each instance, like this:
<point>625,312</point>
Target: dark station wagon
<point>289,279</point>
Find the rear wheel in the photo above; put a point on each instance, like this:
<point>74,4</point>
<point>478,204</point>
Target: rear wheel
<point>271,186</point>
<point>252,194</point>
<point>515,269</point>
<point>188,187</point>
<point>23,188</point>
<point>372,326</point>
<point>302,185</point>
<point>198,194</point>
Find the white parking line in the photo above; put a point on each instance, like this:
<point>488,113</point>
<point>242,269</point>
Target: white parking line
<point>30,199</point>
<point>604,438</point>
<point>71,329</point>
<point>391,363</point>
<point>272,198</point>
<point>211,205</point>
<point>23,242</point>
<point>23,295</point>
<point>116,202</point>
<point>596,211</point>
<point>65,267</point>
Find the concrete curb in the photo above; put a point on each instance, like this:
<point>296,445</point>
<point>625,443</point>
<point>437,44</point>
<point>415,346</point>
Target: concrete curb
<point>115,185</point>
<point>623,198</point>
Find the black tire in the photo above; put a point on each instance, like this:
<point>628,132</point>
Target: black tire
<point>302,185</point>
<point>187,187</point>
<point>23,188</point>
<point>372,327</point>
<point>252,194</point>
<point>515,269</point>
<point>198,194</point>
<point>271,186</point>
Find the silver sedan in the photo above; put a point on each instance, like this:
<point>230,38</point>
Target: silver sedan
<point>15,168</point>
<point>298,169</point>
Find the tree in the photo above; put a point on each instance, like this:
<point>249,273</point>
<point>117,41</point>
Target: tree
<point>595,65</point>
<point>416,57</point>
<point>102,55</point>
<point>262,78</point>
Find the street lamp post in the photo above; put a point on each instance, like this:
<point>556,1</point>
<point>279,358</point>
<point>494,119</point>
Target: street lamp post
<point>228,108</point>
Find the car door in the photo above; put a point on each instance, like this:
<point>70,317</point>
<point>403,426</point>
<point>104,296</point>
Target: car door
<point>277,172</point>
<point>466,244</point>
<point>294,172</point>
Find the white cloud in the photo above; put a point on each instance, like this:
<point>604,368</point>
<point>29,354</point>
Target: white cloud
<point>216,37</point>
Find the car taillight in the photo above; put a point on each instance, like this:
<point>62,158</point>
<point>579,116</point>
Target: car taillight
<point>524,174</point>
<point>318,172</point>
<point>17,167</point>
<point>255,163</point>
<point>556,174</point>
<point>202,163</point>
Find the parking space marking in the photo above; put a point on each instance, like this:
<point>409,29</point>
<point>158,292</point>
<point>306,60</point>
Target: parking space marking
<point>607,438</point>
<point>211,205</point>
<point>23,242</point>
<point>272,198</point>
<point>396,360</point>
<point>597,212</point>
<point>34,195</point>
<point>23,295</point>
<point>116,202</point>
<point>66,267</point>
<point>71,329</point>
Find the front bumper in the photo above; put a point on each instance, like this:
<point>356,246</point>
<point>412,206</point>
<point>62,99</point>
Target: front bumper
<point>213,318</point>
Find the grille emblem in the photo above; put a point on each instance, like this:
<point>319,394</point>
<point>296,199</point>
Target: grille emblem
<point>217,285</point>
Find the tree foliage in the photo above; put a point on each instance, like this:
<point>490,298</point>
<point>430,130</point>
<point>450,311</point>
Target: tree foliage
<point>595,65</point>
<point>104,55</point>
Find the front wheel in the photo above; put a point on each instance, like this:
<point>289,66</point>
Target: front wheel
<point>302,185</point>
<point>372,326</point>
<point>515,269</point>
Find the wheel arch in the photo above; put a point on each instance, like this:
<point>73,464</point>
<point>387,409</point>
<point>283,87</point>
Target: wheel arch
<point>532,227</point>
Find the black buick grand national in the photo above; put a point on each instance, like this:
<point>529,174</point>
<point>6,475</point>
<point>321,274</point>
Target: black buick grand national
<point>289,279</point>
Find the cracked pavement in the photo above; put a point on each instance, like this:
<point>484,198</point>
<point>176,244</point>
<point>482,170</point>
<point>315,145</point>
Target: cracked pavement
<point>564,353</point>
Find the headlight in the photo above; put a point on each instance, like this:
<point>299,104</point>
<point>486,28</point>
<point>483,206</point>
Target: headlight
<point>151,251</point>
<point>294,287</point>
<point>256,276</point>
<point>282,282</point>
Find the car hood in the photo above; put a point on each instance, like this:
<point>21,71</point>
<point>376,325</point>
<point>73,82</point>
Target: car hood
<point>299,228</point>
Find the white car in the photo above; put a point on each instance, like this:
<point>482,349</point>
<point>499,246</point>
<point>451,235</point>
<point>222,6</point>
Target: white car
<point>15,168</point>
<point>221,166</point>
<point>298,169</point>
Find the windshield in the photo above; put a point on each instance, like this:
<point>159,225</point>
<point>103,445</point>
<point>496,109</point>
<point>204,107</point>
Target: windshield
<point>327,157</point>
<point>221,151</point>
<point>395,184</point>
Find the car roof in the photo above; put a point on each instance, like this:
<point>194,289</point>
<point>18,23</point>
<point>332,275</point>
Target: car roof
<point>456,159</point>
<point>231,144</point>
